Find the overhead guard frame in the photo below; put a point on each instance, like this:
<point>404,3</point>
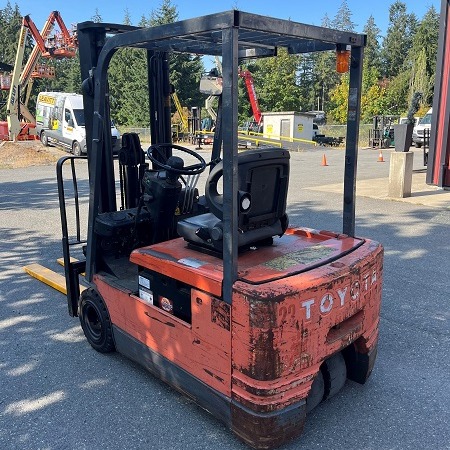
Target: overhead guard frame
<point>233,35</point>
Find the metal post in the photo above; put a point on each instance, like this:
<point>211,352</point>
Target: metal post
<point>351,151</point>
<point>230,146</point>
<point>102,198</point>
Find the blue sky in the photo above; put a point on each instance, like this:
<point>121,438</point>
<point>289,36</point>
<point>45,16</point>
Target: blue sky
<point>310,12</point>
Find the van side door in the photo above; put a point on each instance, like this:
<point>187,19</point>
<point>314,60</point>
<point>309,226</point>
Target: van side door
<point>68,125</point>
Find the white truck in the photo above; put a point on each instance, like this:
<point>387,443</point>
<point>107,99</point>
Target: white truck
<point>60,121</point>
<point>424,124</point>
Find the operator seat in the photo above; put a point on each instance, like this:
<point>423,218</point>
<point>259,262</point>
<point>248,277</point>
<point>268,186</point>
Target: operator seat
<point>263,178</point>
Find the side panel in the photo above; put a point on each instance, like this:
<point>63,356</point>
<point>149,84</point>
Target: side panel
<point>202,348</point>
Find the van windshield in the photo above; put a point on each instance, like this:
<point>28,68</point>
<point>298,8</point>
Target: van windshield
<point>426,119</point>
<point>79,117</point>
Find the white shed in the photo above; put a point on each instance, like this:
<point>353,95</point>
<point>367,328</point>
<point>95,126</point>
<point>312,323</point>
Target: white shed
<point>291,124</point>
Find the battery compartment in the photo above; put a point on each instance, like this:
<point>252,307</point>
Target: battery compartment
<point>172,296</point>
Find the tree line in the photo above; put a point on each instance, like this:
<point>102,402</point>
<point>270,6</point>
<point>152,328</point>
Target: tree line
<point>395,67</point>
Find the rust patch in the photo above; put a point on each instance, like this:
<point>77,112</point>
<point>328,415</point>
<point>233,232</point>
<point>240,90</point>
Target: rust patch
<point>220,313</point>
<point>263,431</point>
<point>266,361</point>
<point>263,314</point>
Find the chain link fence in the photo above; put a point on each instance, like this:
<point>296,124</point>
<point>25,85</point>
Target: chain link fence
<point>337,131</point>
<point>144,133</point>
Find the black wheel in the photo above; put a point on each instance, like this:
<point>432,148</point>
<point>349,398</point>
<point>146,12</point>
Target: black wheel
<point>359,365</point>
<point>76,149</point>
<point>334,374</point>
<point>417,144</point>
<point>316,393</point>
<point>95,321</point>
<point>44,139</point>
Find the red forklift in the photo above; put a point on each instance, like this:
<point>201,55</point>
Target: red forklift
<point>213,292</point>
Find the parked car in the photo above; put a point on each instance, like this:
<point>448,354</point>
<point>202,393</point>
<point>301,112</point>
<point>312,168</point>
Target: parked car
<point>424,124</point>
<point>404,120</point>
<point>320,117</point>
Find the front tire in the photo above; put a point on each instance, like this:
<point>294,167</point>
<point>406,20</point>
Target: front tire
<point>44,139</point>
<point>95,321</point>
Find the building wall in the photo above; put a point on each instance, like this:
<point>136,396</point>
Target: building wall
<point>300,125</point>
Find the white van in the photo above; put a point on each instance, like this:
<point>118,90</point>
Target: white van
<point>60,121</point>
<point>424,124</point>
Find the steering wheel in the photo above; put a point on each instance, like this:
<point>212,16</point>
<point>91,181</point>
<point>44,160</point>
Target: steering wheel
<point>193,169</point>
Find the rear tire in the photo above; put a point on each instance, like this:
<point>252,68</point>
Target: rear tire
<point>76,149</point>
<point>316,392</point>
<point>417,144</point>
<point>44,139</point>
<point>335,374</point>
<point>95,321</point>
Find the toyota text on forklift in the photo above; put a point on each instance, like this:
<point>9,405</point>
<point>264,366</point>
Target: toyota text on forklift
<point>214,293</point>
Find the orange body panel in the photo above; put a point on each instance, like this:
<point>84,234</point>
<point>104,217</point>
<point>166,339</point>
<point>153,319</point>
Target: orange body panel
<point>203,348</point>
<point>295,304</point>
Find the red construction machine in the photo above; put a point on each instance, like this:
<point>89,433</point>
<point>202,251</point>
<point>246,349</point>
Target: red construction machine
<point>62,44</point>
<point>250,85</point>
<point>216,294</point>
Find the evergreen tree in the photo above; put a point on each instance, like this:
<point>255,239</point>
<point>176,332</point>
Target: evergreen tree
<point>325,72</point>
<point>397,94</point>
<point>398,40</point>
<point>164,14</point>
<point>10,24</point>
<point>127,77</point>
<point>277,83</point>
<point>311,99</point>
<point>343,18</point>
<point>423,56</point>
<point>185,69</point>
<point>372,51</point>
<point>403,64</point>
<point>97,18</point>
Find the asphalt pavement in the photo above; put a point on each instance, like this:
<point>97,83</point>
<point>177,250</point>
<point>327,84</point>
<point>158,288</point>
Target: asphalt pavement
<point>56,392</point>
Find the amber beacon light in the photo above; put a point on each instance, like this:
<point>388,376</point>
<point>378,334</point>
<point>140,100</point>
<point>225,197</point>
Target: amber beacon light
<point>342,59</point>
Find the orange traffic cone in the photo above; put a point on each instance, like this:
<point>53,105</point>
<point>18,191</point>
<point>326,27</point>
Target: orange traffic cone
<point>380,157</point>
<point>324,160</point>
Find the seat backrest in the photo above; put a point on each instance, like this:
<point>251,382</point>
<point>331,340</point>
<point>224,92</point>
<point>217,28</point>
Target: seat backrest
<point>263,179</point>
